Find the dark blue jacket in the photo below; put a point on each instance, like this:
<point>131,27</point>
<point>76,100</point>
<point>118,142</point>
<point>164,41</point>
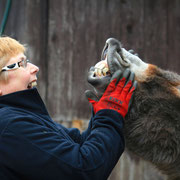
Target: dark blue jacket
<point>33,147</point>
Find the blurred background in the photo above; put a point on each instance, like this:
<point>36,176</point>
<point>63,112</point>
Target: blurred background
<point>65,38</point>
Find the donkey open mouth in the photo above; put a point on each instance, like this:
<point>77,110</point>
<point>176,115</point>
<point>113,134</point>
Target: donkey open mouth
<point>111,60</point>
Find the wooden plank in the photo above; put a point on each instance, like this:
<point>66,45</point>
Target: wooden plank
<point>173,28</point>
<point>155,32</point>
<point>60,45</point>
<point>84,54</point>
<point>130,24</point>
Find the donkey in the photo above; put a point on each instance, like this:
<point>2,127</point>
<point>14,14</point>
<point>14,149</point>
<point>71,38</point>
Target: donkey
<point>152,125</point>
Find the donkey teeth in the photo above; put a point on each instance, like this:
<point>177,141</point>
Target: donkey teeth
<point>101,69</point>
<point>104,71</point>
<point>98,72</point>
<point>101,72</point>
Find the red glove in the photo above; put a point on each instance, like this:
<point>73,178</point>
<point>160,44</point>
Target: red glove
<point>117,96</point>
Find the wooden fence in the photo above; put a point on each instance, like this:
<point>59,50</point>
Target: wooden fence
<point>65,38</point>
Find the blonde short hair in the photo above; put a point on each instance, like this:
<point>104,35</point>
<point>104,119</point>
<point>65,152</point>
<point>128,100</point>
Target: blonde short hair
<point>9,48</point>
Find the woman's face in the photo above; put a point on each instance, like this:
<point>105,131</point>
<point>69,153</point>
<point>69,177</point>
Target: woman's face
<point>20,78</point>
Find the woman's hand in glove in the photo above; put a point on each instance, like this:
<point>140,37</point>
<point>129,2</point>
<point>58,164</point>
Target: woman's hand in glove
<point>117,96</point>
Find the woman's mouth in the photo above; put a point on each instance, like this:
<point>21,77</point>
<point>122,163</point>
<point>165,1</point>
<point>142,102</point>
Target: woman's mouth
<point>32,85</point>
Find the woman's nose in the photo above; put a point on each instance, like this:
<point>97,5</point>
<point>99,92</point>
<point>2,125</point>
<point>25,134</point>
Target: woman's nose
<point>34,69</point>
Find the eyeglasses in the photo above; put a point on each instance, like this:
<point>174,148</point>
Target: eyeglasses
<point>22,63</point>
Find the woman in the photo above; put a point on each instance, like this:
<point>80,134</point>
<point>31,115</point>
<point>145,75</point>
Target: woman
<point>33,146</point>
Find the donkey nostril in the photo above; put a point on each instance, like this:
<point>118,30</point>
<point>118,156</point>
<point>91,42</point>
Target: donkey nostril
<point>118,50</point>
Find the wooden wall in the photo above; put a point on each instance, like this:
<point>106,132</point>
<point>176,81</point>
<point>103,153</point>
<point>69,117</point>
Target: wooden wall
<point>65,38</point>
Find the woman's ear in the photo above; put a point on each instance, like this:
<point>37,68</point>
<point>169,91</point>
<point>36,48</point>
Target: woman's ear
<point>0,92</point>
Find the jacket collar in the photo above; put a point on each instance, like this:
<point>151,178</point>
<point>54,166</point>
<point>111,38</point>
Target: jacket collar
<point>27,99</point>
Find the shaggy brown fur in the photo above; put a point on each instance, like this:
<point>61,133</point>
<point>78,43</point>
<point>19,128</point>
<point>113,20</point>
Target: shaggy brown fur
<point>152,126</point>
